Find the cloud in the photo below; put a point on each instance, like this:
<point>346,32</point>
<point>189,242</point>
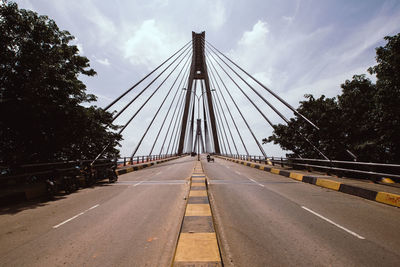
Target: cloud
<point>150,45</point>
<point>217,15</point>
<point>104,61</point>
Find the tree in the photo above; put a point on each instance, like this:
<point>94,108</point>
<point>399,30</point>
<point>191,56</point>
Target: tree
<point>42,117</point>
<point>364,119</point>
<point>387,98</point>
<point>326,114</point>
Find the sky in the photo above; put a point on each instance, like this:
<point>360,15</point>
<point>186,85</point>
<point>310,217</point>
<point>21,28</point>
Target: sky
<point>294,47</point>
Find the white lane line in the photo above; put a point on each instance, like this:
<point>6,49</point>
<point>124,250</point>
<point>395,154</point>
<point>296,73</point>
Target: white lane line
<point>254,181</point>
<point>76,216</point>
<point>335,224</point>
<point>158,173</point>
<point>138,183</point>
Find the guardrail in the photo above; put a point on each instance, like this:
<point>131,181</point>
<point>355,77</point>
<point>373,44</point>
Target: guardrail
<point>67,175</point>
<point>362,170</point>
<point>124,161</point>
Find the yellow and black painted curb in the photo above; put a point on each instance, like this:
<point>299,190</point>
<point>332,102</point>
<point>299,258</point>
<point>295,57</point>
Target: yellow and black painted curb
<point>382,197</point>
<point>197,243</point>
<point>141,166</point>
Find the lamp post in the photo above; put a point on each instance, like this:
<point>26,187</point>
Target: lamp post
<point>198,117</point>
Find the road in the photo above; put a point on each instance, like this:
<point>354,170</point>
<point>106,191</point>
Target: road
<point>264,219</point>
<point>134,222</point>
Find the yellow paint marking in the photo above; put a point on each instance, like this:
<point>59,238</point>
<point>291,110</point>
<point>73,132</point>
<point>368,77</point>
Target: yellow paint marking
<point>198,210</point>
<point>296,176</point>
<point>261,168</point>
<point>198,184</point>
<point>388,198</point>
<point>328,184</point>
<point>129,169</point>
<point>387,180</point>
<point>198,193</point>
<point>276,171</point>
<point>197,247</point>
<point>198,178</point>
<point>252,165</point>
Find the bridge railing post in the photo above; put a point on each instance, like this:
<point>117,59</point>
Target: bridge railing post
<point>273,163</point>
<point>282,162</point>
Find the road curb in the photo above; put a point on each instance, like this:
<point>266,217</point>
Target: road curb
<point>142,166</point>
<point>381,197</point>
<point>197,244</point>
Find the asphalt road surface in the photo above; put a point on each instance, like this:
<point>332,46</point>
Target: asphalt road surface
<point>261,219</point>
<point>264,219</point>
<point>134,222</point>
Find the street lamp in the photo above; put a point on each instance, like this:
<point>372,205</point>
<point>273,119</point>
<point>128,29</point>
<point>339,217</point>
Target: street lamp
<point>198,117</point>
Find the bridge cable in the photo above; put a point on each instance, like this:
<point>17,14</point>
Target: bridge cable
<point>130,89</point>
<point>130,120</point>
<point>172,102</point>
<point>175,127</point>
<point>162,103</point>
<point>207,117</point>
<point>178,104</point>
<point>226,104</point>
<point>283,117</point>
<point>216,107</point>
<point>244,119</point>
<point>141,92</point>
<point>219,134</point>
<point>270,91</point>
<point>223,112</point>
<point>251,101</point>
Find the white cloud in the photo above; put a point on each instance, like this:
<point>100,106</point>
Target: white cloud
<point>217,15</point>
<point>103,61</point>
<point>150,45</point>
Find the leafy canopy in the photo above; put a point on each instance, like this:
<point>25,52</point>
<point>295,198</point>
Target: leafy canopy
<point>42,117</point>
<point>364,119</point>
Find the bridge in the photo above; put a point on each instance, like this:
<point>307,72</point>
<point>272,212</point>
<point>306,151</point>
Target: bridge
<point>199,196</point>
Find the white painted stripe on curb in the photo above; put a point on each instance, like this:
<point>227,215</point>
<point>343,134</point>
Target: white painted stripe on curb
<point>335,224</point>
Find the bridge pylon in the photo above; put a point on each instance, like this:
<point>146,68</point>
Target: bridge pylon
<point>198,71</point>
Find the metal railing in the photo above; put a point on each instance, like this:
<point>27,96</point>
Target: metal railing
<point>362,170</point>
<point>124,161</point>
<point>35,172</point>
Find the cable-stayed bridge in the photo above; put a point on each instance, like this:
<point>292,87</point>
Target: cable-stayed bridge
<point>184,200</point>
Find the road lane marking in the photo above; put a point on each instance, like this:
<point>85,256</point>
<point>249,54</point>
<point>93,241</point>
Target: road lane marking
<point>254,181</point>
<point>76,216</point>
<point>158,173</point>
<point>138,183</point>
<point>335,224</point>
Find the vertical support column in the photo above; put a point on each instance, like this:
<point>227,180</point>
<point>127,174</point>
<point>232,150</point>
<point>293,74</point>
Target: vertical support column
<point>198,71</point>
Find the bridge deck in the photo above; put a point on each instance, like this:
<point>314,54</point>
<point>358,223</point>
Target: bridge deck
<point>260,218</point>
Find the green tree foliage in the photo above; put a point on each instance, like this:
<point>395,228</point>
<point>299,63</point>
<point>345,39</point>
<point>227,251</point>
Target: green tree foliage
<point>364,119</point>
<point>42,117</point>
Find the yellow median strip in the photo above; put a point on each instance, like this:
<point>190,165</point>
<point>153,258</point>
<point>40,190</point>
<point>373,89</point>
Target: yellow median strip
<point>197,243</point>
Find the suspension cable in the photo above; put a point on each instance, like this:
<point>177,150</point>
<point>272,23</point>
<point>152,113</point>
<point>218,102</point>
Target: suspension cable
<point>226,104</point>
<point>178,104</point>
<point>221,121</point>
<point>223,113</point>
<point>251,101</point>
<point>270,91</point>
<point>141,92</point>
<point>165,98</point>
<point>244,119</point>
<point>178,117</point>
<point>130,89</point>
<point>172,102</point>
